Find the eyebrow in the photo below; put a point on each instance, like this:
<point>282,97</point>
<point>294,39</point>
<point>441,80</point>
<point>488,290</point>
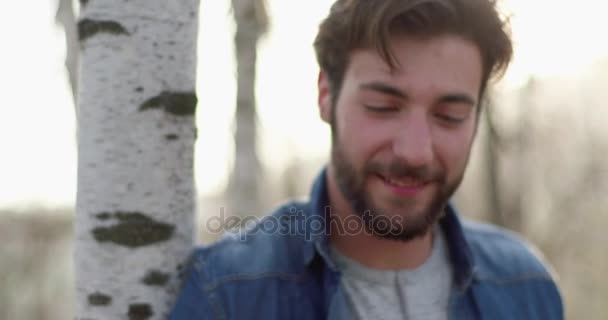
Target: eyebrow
<point>457,98</point>
<point>390,90</point>
<point>383,88</point>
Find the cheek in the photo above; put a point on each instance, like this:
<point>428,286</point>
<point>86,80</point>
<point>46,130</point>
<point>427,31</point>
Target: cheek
<point>359,138</point>
<point>453,150</point>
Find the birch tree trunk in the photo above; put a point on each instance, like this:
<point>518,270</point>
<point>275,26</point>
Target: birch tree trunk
<point>136,131</point>
<point>243,190</point>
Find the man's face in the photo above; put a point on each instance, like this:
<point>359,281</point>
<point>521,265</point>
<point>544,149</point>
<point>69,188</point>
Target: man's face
<point>402,137</point>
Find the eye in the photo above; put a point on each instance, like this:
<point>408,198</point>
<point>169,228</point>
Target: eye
<point>450,119</point>
<point>380,109</point>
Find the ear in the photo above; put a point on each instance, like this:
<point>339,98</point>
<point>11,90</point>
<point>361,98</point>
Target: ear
<point>324,99</point>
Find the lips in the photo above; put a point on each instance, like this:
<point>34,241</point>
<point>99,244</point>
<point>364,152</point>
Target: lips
<point>405,182</point>
<point>404,185</point>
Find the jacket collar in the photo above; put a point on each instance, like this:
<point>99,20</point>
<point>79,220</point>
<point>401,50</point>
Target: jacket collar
<point>317,240</point>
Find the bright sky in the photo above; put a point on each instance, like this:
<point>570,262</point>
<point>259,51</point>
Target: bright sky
<point>37,138</point>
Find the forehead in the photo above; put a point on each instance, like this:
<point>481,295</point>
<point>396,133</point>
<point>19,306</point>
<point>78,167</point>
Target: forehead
<point>446,62</point>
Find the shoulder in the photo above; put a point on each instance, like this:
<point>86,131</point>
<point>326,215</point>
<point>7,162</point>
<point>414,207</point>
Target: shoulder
<point>501,254</point>
<point>271,246</point>
<point>511,276</point>
<point>228,278</point>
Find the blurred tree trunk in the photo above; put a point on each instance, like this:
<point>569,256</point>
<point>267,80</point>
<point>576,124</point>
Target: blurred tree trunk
<point>492,164</point>
<point>65,18</point>
<point>136,198</point>
<point>243,191</point>
<point>523,178</point>
<point>506,193</point>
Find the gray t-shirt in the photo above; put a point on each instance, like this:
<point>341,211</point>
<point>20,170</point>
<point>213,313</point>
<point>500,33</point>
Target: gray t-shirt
<point>415,294</point>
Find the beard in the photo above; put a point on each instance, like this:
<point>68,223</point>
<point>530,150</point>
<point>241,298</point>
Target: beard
<point>400,223</point>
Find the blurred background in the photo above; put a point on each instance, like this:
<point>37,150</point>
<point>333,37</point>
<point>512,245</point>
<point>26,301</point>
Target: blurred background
<point>538,166</point>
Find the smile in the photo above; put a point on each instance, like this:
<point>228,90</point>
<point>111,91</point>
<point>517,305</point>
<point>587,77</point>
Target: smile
<point>404,186</point>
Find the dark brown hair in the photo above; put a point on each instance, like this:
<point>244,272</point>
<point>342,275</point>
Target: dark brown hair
<point>358,24</point>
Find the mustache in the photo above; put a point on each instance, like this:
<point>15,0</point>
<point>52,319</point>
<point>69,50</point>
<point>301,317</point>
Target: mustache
<point>401,169</point>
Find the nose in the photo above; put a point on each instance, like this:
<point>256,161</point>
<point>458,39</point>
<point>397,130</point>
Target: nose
<point>413,142</point>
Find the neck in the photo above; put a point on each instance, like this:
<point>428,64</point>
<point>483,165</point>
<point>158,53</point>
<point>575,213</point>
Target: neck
<point>368,249</point>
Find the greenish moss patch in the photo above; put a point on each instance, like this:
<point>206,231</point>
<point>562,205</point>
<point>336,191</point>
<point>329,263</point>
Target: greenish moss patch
<point>99,299</point>
<point>133,230</point>
<point>175,103</point>
<point>88,28</point>
<point>156,278</point>
<point>140,311</point>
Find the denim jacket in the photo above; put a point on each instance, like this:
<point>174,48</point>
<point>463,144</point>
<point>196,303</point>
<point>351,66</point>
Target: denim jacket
<point>280,269</point>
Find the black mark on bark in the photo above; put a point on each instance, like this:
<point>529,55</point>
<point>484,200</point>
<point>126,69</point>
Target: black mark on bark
<point>83,2</point>
<point>181,272</point>
<point>139,89</point>
<point>99,299</point>
<point>133,230</point>
<point>88,28</point>
<point>103,216</point>
<point>171,137</point>
<point>140,311</point>
<point>176,103</point>
<point>156,278</point>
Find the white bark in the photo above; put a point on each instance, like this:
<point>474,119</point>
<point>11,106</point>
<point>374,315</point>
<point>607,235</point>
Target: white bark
<point>135,202</point>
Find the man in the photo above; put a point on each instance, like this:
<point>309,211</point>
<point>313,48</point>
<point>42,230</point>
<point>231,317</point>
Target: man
<point>400,84</point>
